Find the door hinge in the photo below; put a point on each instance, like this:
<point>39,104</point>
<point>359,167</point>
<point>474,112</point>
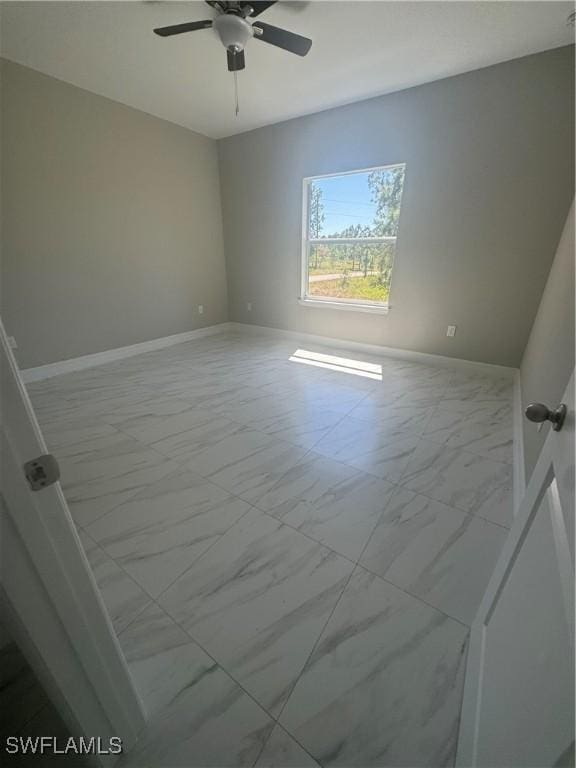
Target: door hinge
<point>42,472</point>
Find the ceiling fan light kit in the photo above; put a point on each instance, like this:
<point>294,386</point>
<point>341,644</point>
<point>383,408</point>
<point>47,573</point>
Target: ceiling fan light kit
<point>233,30</point>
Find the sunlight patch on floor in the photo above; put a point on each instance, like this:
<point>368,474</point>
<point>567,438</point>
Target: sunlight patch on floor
<point>341,364</point>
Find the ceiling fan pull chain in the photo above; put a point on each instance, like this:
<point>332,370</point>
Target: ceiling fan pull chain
<point>236,92</point>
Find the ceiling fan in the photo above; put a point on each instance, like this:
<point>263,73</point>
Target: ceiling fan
<point>235,27</point>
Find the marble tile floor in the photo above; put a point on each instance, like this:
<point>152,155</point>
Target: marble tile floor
<point>291,553</point>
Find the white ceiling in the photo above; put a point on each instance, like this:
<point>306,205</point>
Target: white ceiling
<point>360,49</point>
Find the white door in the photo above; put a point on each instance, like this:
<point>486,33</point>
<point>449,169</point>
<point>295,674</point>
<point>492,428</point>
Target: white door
<point>48,590</point>
<point>518,707</point>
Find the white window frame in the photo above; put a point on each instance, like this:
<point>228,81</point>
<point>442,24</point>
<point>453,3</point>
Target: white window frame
<point>345,304</point>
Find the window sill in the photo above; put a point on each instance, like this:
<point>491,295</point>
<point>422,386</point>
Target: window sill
<point>371,308</point>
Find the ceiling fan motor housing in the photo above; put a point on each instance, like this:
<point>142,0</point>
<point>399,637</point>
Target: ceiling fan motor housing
<point>233,31</point>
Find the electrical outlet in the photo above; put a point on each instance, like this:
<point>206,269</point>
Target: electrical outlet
<point>12,343</point>
<point>451,331</point>
<point>200,309</point>
<point>249,306</point>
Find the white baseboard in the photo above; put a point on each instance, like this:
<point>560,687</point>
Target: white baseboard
<point>487,369</point>
<point>99,358</point>
<point>518,448</point>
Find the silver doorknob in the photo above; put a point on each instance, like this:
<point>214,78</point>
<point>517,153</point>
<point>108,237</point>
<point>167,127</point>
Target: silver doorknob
<point>539,412</point>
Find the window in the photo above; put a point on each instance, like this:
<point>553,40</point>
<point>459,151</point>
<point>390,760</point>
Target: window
<point>350,226</point>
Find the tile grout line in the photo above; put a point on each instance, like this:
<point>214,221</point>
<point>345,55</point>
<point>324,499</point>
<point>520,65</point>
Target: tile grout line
<point>153,601</point>
<point>315,645</point>
<point>181,465</point>
<point>290,735</point>
<point>125,572</point>
<point>254,505</point>
<point>368,570</point>
<point>412,595</point>
<point>420,435</point>
<point>355,563</point>
<point>219,664</point>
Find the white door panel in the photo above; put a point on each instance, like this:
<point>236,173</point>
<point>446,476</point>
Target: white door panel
<point>518,705</point>
<point>48,584</point>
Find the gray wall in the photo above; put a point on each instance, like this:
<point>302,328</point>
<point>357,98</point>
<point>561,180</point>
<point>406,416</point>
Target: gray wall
<point>488,185</point>
<point>548,360</point>
<point>112,225</point>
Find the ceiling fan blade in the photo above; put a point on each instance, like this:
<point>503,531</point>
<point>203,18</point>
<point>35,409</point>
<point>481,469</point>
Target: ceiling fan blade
<point>236,61</point>
<point>281,38</point>
<point>257,7</point>
<point>178,29</point>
